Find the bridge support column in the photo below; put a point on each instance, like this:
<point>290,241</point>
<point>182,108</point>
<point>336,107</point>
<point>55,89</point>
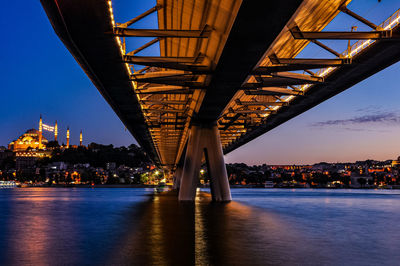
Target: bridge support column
<point>204,140</point>
<point>178,177</point>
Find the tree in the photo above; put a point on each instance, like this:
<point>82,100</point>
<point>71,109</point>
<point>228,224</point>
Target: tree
<point>8,163</point>
<point>144,178</point>
<point>53,144</point>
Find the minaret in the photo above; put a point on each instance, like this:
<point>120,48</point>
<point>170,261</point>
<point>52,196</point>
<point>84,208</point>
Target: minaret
<point>67,137</point>
<point>55,131</point>
<point>80,139</point>
<point>40,131</point>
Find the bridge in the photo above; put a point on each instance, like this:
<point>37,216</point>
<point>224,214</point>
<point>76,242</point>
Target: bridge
<point>227,71</point>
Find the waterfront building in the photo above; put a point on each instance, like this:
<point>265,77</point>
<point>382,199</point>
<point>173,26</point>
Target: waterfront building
<point>111,166</point>
<point>4,154</point>
<point>396,163</point>
<point>27,159</point>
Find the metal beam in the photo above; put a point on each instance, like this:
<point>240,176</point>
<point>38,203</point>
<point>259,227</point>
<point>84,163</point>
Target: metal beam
<point>298,76</point>
<point>231,122</point>
<point>170,65</point>
<point>158,125</point>
<point>141,70</point>
<point>158,59</point>
<point>272,91</point>
<point>164,79</point>
<point>341,35</point>
<point>148,12</point>
<point>144,46</point>
<point>320,44</point>
<point>309,72</point>
<point>159,131</point>
<point>181,78</point>
<point>267,70</point>
<point>233,131</point>
<point>186,91</point>
<point>155,122</point>
<point>164,110</point>
<point>260,103</point>
<point>125,32</point>
<point>190,84</point>
<point>167,119</point>
<point>251,111</point>
<point>153,89</point>
<point>160,74</point>
<point>310,61</point>
<point>277,81</point>
<point>150,102</point>
<point>344,9</point>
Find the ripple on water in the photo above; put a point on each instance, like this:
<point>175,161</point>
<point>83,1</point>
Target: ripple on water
<point>56,226</point>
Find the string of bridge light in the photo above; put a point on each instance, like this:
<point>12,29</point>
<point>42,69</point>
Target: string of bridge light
<point>134,83</point>
<point>121,48</point>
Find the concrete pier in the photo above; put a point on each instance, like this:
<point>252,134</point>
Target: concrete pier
<point>177,177</point>
<point>204,140</point>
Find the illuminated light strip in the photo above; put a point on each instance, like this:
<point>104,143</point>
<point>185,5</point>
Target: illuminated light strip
<point>134,83</point>
<point>48,128</point>
<point>359,46</point>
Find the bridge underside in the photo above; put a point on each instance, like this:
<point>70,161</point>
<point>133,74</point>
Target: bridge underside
<point>380,56</point>
<point>227,71</point>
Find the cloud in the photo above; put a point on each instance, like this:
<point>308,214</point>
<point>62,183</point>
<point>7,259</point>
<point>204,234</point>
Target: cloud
<point>371,109</point>
<point>387,118</point>
<point>364,129</point>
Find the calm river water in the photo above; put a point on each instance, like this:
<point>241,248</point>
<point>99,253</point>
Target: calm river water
<point>77,226</point>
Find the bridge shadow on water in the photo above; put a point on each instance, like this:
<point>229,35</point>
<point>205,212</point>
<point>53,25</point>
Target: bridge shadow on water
<point>205,233</point>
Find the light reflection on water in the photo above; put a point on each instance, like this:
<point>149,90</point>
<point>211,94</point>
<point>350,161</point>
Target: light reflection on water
<point>48,226</point>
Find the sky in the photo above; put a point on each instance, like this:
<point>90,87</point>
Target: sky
<point>39,76</point>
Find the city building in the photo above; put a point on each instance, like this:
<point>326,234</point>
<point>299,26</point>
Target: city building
<point>27,159</point>
<point>4,154</point>
<point>396,163</point>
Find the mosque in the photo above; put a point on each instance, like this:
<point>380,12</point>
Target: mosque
<point>33,145</point>
<point>33,139</point>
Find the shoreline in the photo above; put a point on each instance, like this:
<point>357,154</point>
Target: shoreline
<point>155,186</point>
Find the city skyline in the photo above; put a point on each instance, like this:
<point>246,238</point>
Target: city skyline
<point>360,123</point>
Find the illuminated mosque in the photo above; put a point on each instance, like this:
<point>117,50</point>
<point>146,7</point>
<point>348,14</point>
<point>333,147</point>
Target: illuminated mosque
<point>30,139</point>
<point>33,139</point>
<point>32,145</point>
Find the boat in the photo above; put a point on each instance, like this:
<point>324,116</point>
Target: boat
<point>8,184</point>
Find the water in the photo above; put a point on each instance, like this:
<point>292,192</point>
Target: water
<point>56,226</point>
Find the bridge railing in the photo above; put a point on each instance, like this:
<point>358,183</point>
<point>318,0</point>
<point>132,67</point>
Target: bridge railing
<point>355,49</point>
<point>360,45</point>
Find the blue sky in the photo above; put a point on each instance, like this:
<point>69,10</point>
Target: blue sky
<point>39,76</point>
